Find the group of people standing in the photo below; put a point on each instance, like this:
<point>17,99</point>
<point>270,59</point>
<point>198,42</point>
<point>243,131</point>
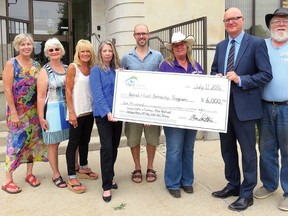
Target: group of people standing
<point>69,98</point>
<point>48,105</point>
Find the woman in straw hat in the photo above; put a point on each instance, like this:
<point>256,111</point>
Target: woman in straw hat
<point>179,141</point>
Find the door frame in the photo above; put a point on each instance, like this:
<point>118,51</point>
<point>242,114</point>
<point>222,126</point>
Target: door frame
<point>68,38</point>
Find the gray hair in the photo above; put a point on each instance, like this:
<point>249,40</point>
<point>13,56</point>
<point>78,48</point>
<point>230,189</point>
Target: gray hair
<point>20,38</point>
<point>53,42</point>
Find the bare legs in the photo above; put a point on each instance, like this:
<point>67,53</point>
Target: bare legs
<point>136,156</point>
<point>150,156</point>
<point>53,159</point>
<point>12,187</point>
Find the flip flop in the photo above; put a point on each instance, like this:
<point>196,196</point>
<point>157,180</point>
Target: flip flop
<point>72,188</point>
<point>7,188</point>
<point>87,175</point>
<point>31,180</point>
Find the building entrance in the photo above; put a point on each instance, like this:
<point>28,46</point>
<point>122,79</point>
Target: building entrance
<point>54,18</point>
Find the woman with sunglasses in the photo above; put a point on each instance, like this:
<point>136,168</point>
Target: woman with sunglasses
<point>51,103</point>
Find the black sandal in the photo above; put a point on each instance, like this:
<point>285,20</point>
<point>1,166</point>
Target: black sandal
<point>137,174</point>
<point>59,181</point>
<point>151,173</point>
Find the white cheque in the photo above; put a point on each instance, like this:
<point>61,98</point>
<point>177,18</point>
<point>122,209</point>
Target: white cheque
<point>172,99</point>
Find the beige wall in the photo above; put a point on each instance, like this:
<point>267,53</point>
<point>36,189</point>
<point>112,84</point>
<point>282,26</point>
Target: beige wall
<point>98,17</point>
<point>118,18</point>
<point>3,8</point>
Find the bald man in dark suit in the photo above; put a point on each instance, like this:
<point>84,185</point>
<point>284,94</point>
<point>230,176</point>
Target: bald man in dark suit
<point>248,69</point>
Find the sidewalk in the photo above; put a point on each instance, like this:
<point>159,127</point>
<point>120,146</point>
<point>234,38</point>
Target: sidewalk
<point>139,199</point>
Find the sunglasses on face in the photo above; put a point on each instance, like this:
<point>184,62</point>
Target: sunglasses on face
<point>56,49</point>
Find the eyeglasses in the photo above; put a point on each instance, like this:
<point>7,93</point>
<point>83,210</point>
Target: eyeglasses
<point>232,19</point>
<point>141,34</point>
<point>56,49</point>
<point>278,22</point>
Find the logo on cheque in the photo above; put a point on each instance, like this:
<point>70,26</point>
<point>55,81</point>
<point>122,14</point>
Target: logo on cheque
<point>131,81</point>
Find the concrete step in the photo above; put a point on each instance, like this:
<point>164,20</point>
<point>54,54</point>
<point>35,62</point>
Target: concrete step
<point>3,135</point>
<point>3,126</point>
<point>93,146</point>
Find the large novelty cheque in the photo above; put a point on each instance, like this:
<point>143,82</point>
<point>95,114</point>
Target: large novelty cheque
<point>172,99</point>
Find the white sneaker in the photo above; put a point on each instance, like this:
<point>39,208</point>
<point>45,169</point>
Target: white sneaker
<point>283,205</point>
<point>262,193</point>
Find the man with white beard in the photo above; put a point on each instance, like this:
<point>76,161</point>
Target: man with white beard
<point>273,127</point>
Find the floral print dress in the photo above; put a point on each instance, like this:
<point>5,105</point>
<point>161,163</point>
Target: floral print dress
<point>24,143</point>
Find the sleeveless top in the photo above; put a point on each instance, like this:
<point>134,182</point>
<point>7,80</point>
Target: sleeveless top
<point>24,143</point>
<point>55,107</point>
<point>82,95</point>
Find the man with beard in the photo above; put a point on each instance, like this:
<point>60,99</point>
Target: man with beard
<point>274,123</point>
<point>143,58</point>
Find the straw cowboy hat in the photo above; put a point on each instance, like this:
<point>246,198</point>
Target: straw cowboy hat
<point>178,37</point>
<point>278,12</point>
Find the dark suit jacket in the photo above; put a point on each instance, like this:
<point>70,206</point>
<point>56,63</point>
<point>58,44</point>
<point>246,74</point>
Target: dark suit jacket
<point>253,66</point>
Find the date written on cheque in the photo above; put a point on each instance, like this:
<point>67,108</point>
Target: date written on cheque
<point>208,87</point>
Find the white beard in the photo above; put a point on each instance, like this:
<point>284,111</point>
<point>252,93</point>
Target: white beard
<point>279,37</point>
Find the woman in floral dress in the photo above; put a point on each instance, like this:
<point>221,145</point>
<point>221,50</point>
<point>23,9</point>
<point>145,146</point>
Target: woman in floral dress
<point>24,141</point>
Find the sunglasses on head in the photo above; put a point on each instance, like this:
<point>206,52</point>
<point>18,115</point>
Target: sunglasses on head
<point>56,49</point>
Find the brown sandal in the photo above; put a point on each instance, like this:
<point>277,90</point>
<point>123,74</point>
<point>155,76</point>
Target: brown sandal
<point>151,173</point>
<point>137,174</point>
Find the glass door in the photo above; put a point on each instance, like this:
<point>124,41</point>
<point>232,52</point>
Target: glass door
<point>51,18</point>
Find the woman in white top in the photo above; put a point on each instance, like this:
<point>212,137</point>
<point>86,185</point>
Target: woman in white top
<point>79,103</point>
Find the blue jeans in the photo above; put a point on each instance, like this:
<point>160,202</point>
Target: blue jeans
<point>273,130</point>
<point>179,157</point>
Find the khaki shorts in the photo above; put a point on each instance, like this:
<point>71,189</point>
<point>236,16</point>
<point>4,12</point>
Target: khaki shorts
<point>133,132</point>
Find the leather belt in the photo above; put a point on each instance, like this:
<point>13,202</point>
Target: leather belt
<point>277,103</point>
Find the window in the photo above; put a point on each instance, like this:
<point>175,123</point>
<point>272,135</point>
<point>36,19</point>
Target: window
<point>18,9</point>
<point>254,13</point>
